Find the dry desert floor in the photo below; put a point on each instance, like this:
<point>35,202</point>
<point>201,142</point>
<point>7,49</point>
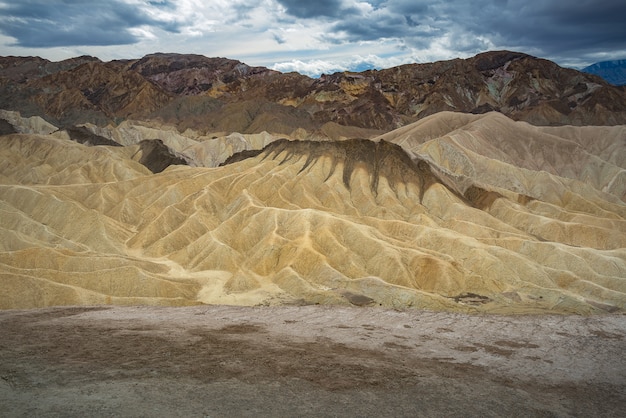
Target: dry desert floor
<point>218,361</point>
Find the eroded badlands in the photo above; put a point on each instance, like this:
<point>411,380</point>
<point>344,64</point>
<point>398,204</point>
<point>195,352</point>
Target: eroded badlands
<point>459,212</point>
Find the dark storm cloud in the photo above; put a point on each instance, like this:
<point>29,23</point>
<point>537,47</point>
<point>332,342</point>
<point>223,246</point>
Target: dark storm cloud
<point>548,27</point>
<point>45,23</point>
<point>385,26</point>
<point>409,21</point>
<point>408,7</point>
<point>551,26</point>
<point>312,9</point>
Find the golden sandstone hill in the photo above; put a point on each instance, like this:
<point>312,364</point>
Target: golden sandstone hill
<point>455,211</point>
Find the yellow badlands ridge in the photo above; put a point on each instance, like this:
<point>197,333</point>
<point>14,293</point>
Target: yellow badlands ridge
<point>455,212</point>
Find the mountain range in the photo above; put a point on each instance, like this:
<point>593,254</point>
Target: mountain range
<point>492,184</point>
<point>612,71</point>
<point>219,95</point>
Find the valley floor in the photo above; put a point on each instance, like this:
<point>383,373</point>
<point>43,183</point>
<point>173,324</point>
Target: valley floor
<point>307,361</point>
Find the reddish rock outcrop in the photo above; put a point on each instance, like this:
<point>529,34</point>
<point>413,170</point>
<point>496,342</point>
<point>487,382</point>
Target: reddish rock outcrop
<point>220,94</point>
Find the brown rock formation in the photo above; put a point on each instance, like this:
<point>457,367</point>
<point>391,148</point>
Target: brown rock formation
<point>219,94</point>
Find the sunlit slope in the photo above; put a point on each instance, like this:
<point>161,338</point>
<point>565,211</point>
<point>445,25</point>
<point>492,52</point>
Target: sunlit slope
<point>54,249</point>
<point>495,150</point>
<point>456,223</point>
<point>570,185</point>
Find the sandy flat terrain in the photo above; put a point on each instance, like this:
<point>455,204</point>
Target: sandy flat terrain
<point>307,361</point>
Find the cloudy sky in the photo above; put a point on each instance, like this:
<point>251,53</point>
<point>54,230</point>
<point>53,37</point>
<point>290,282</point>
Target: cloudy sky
<point>316,36</point>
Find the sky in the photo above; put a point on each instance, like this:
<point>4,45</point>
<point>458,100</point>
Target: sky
<point>316,36</point>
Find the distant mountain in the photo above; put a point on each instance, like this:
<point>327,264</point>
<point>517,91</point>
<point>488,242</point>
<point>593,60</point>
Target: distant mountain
<point>217,95</point>
<point>612,71</point>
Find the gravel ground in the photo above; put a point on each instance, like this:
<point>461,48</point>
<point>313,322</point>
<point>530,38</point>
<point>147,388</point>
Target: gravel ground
<point>217,361</point>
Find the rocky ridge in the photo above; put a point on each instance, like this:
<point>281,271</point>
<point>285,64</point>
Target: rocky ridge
<point>219,95</point>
